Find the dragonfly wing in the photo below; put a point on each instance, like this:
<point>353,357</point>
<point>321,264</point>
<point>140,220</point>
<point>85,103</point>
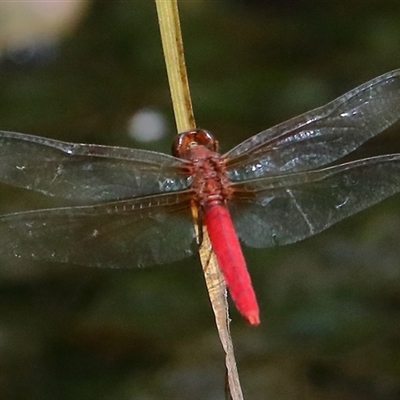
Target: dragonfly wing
<point>130,233</point>
<point>85,172</point>
<point>320,136</point>
<point>287,208</point>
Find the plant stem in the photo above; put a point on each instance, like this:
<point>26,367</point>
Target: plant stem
<point>171,37</point>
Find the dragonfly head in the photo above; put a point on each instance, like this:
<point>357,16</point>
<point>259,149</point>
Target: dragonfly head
<point>185,141</point>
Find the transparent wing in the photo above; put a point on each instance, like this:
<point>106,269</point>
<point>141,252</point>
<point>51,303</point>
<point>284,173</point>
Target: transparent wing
<point>320,136</point>
<point>131,233</point>
<point>288,208</point>
<point>85,172</point>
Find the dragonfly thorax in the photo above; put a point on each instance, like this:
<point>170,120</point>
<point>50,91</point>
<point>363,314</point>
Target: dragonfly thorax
<point>210,181</point>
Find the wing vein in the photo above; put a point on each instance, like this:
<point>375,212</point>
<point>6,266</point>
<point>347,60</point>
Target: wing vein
<point>303,214</point>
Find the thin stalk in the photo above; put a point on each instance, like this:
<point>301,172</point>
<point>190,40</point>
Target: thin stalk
<point>171,37</point>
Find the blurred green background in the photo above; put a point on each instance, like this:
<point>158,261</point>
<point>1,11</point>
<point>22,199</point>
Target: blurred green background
<point>330,306</point>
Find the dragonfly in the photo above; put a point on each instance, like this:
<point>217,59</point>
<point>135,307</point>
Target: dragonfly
<point>135,208</point>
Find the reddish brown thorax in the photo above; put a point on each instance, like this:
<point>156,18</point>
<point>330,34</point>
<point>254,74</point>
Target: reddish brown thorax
<point>209,179</point>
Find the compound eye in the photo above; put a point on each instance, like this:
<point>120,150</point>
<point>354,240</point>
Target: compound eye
<point>181,144</point>
<point>197,137</point>
<point>206,139</point>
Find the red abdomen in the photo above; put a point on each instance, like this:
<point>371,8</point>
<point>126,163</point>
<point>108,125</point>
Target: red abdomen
<point>231,261</point>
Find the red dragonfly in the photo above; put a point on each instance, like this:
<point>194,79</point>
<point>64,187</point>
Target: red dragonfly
<point>277,187</point>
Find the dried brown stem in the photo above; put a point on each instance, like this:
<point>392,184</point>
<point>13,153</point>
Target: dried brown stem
<point>171,37</point>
